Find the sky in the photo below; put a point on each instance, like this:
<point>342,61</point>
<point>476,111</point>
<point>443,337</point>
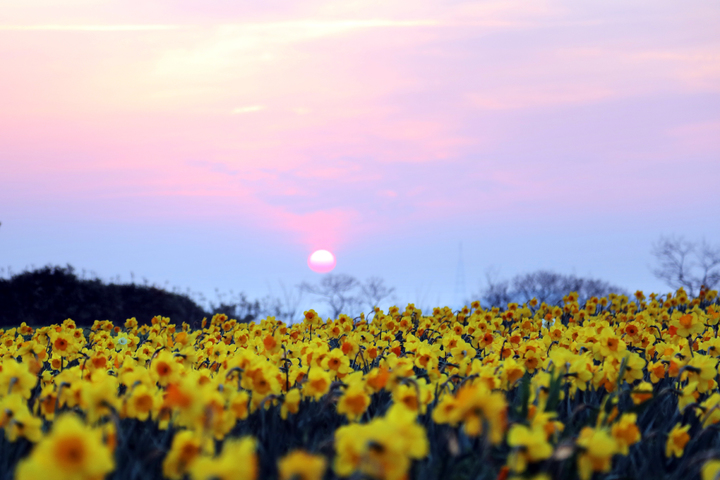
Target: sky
<point>215,145</point>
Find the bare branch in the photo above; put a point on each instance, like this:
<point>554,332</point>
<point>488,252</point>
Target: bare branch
<point>496,292</point>
<point>374,291</point>
<point>338,291</point>
<point>545,286</point>
<point>685,264</point>
<point>709,262</point>
<point>285,307</point>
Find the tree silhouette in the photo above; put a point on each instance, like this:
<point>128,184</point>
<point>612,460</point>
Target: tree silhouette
<point>344,293</point>
<point>543,285</point>
<point>681,263</point>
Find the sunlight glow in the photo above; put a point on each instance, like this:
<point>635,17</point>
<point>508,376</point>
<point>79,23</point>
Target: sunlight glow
<point>321,261</point>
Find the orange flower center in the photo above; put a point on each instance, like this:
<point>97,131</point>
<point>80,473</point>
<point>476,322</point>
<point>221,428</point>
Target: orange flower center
<point>70,453</point>
<point>175,397</point>
<point>411,401</point>
<point>99,362</point>
<point>162,369</point>
<point>356,403</point>
<point>269,342</point>
<point>188,452</point>
<point>319,385</point>
<point>143,403</point>
<point>48,404</point>
<point>680,440</point>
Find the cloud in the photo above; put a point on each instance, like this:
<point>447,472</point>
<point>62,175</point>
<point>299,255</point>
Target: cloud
<point>229,47</point>
<point>216,167</point>
<point>89,28</point>
<point>539,97</point>
<point>698,137</point>
<point>249,109</point>
<point>375,117</point>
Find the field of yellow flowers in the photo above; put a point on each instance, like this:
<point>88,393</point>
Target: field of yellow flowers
<point>610,387</point>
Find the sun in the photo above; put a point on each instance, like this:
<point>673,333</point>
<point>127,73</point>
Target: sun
<point>321,261</point>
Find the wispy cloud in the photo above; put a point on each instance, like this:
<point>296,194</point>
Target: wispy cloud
<point>309,27</point>
<point>217,167</point>
<point>89,28</point>
<point>539,97</point>
<point>323,119</point>
<point>323,27</point>
<point>249,109</point>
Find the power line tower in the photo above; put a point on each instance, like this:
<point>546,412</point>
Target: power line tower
<point>460,280</point>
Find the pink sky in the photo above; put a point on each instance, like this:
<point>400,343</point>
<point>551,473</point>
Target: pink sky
<point>216,144</point>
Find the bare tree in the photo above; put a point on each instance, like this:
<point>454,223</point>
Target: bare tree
<point>551,287</point>
<point>240,307</point>
<point>496,292</point>
<point>545,286</point>
<point>345,294</point>
<point>548,287</point>
<point>374,291</point>
<point>338,291</point>
<point>681,263</point>
<point>285,307</point>
<point>422,298</point>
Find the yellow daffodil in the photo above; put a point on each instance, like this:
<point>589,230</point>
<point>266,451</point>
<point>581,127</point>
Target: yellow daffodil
<point>529,445</point>
<point>301,465</point>
<point>16,378</point>
<point>354,401</point>
<point>318,383</point>
<point>237,461</point>
<point>71,451</point>
<point>710,470</point>
<point>17,420</point>
<point>184,451</point>
<point>597,447</point>
<point>642,393</point>
<point>382,449</point>
<point>687,323</point>
<point>625,432</point>
<point>676,441</point>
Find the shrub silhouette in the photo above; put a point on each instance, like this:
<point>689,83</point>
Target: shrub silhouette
<point>52,293</point>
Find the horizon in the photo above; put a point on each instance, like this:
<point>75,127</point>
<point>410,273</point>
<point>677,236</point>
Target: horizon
<point>305,299</point>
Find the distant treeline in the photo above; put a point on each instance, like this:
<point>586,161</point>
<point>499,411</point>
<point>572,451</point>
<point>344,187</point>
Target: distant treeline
<point>51,294</point>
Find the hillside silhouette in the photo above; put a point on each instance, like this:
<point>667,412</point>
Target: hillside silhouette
<point>52,294</point>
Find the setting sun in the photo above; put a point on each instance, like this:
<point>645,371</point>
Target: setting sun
<point>321,261</point>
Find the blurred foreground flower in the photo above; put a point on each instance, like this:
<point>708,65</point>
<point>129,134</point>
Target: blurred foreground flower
<point>72,451</point>
<point>677,439</point>
<point>382,449</point>
<point>597,449</point>
<point>237,461</point>
<point>302,465</point>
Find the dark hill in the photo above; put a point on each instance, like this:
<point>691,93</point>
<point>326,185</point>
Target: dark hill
<point>52,294</point>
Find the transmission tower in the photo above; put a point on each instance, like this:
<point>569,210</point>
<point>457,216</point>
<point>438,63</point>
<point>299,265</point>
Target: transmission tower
<point>460,280</point>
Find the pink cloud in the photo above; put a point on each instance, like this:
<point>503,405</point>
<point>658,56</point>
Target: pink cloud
<point>329,121</point>
<point>698,137</point>
<point>548,96</point>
